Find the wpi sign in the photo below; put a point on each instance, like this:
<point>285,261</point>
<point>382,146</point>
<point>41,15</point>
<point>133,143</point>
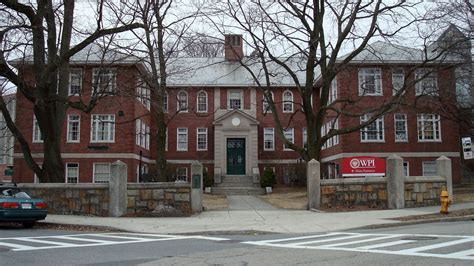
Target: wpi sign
<point>363,166</point>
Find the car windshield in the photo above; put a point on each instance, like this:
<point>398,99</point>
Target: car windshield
<point>13,193</point>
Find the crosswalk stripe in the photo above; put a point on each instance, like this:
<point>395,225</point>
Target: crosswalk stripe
<point>26,239</point>
<point>439,245</point>
<point>83,239</point>
<point>300,238</point>
<point>362,241</point>
<point>461,254</point>
<point>13,245</point>
<point>388,244</point>
<point>325,240</point>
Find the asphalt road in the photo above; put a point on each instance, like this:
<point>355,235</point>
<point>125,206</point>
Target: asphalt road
<point>424,244</point>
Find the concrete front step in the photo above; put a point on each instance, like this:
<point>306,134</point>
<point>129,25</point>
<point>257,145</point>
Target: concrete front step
<point>236,184</point>
<point>237,191</point>
<point>236,179</point>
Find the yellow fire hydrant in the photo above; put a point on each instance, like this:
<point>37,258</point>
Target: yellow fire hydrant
<point>444,202</point>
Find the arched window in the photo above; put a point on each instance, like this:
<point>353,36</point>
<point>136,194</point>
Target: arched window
<point>202,102</point>
<point>287,102</point>
<point>266,104</point>
<point>182,101</point>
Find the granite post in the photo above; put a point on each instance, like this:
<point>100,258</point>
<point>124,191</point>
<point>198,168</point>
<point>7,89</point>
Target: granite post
<point>443,168</point>
<point>313,171</point>
<point>118,189</point>
<point>196,186</point>
<point>395,183</point>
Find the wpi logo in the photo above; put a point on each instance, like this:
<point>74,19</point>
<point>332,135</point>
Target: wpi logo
<point>365,163</point>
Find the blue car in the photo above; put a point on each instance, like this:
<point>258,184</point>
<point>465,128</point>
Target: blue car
<point>18,206</point>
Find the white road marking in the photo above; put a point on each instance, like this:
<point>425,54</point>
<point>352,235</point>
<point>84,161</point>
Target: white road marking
<point>376,248</point>
<point>61,241</point>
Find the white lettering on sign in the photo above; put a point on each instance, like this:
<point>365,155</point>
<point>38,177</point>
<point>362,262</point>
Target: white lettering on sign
<point>366,163</point>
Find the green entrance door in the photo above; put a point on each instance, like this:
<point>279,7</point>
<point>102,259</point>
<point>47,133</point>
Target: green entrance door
<point>236,156</point>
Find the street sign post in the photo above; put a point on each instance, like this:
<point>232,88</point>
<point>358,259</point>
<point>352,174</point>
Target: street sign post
<point>467,148</point>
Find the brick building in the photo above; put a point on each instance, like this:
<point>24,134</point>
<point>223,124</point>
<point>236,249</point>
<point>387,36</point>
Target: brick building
<point>224,122</point>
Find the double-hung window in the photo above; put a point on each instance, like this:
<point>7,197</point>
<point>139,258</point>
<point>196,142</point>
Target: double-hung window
<point>235,100</point>
<point>201,135</point>
<point>373,132</point>
<point>73,127</point>
<point>103,128</point>
<point>37,136</point>
<point>202,102</point>
<point>266,104</point>
<point>426,82</point>
<point>101,172</point>
<point>182,174</point>
<point>429,168</point>
<point>305,138</point>
<point>333,91</point>
<point>104,80</point>
<point>165,102</point>
<point>429,127</point>
<point>398,80</point>
<point>401,130</point>
<point>268,139</point>
<point>287,102</point>
<point>182,139</point>
<point>143,93</point>
<point>289,134</point>
<point>182,101</point>
<point>370,82</point>
<point>72,173</point>
<point>142,136</point>
<point>75,81</point>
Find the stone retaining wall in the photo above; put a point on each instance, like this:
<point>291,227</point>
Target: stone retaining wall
<point>150,199</point>
<point>421,191</point>
<point>159,199</point>
<point>354,191</point>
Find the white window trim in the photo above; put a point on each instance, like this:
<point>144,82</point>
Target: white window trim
<point>206,102</point>
<point>92,131</point>
<point>292,130</point>
<point>111,88</point>
<point>177,139</point>
<point>80,81</point>
<point>377,82</point>
<point>241,93</point>
<point>437,137</point>
<point>177,171</point>
<point>272,139</point>
<point>423,165</point>
<point>40,135</point>
<point>333,91</point>
<point>67,172</point>
<point>402,75</point>
<point>426,73</point>
<point>267,110</point>
<point>408,167</point>
<point>78,129</point>
<point>93,173</point>
<point>395,127</point>
<point>143,94</point>
<point>363,130</point>
<point>290,102</point>
<point>165,102</point>
<point>197,138</point>
<point>178,107</point>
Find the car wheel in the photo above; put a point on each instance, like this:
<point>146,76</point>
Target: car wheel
<point>28,224</point>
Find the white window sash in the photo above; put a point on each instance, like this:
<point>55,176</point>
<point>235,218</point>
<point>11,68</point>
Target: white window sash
<point>366,76</point>
<point>201,132</point>
<point>68,172</point>
<point>184,133</point>
<point>289,134</point>
<point>75,73</point>
<point>70,126</point>
<point>107,124</point>
<point>182,103</point>
<point>268,137</point>
<point>429,123</point>
<point>107,75</point>
<point>404,132</point>
<point>202,102</point>
<point>101,174</point>
<point>37,136</point>
<point>287,99</point>
<point>378,130</point>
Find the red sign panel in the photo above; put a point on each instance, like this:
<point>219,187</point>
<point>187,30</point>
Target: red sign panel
<point>363,166</point>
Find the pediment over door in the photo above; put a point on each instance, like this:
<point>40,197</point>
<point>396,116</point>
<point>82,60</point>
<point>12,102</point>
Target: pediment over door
<point>236,120</point>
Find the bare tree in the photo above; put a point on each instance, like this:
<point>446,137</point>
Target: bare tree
<point>43,37</point>
<point>313,41</point>
<point>165,26</point>
<point>202,46</point>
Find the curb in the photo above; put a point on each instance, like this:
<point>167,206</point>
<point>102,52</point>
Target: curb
<point>422,221</point>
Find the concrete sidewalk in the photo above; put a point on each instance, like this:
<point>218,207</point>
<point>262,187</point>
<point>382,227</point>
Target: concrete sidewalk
<point>256,217</point>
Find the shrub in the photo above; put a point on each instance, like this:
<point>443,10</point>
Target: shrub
<point>268,179</point>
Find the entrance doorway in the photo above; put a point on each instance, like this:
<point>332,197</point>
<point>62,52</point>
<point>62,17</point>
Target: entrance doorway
<point>236,156</point>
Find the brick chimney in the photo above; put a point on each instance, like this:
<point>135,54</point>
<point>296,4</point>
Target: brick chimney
<point>233,47</point>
